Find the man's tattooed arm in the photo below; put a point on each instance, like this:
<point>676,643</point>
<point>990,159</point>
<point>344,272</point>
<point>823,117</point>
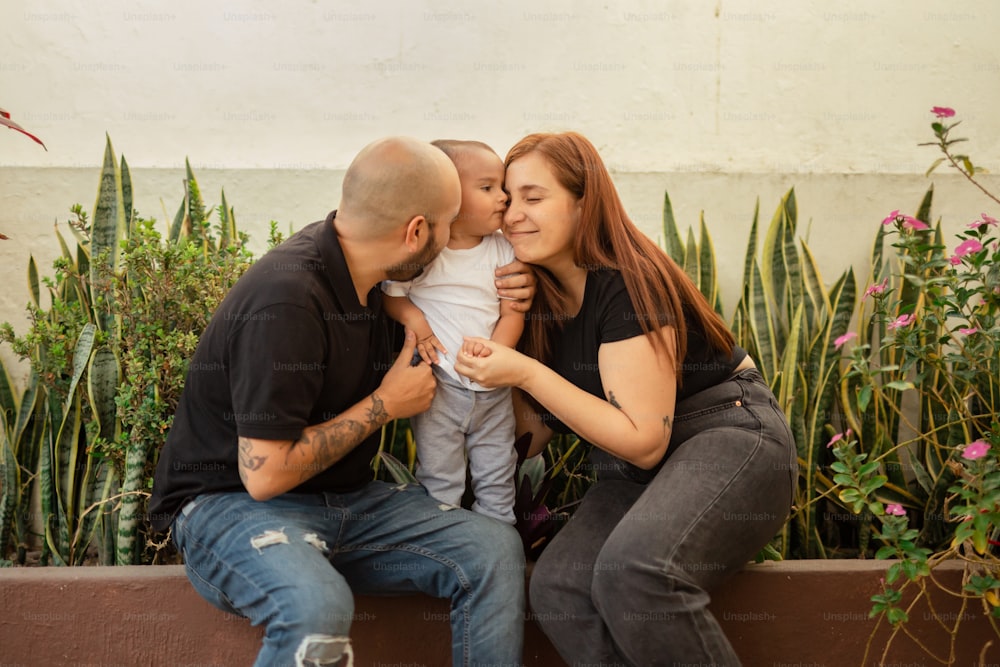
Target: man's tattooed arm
<point>327,443</point>
<point>319,447</point>
<point>249,461</point>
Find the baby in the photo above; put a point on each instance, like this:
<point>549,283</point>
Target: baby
<point>455,297</point>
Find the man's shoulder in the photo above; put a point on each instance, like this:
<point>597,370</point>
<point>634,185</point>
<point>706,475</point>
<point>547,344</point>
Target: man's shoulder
<point>290,274</point>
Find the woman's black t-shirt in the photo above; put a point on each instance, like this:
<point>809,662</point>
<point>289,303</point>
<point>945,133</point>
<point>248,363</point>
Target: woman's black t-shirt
<point>606,316</point>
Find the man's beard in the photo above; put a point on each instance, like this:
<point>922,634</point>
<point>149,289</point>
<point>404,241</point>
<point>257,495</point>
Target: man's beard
<point>413,268</point>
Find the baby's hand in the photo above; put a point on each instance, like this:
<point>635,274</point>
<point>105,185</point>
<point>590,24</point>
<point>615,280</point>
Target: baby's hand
<point>428,347</point>
<point>475,348</point>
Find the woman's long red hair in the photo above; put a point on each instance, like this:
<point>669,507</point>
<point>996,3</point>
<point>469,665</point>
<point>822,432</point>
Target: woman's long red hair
<point>660,290</point>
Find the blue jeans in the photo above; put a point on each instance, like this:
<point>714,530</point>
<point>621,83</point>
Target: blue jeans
<point>293,564</point>
<point>627,581</point>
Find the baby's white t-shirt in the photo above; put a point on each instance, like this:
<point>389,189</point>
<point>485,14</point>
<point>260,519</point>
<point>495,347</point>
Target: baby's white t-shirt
<point>458,296</point>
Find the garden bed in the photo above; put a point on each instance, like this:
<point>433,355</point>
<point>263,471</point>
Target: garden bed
<point>791,613</point>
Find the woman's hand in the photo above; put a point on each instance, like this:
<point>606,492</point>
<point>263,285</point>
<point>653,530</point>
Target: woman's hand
<point>516,282</point>
<point>491,364</point>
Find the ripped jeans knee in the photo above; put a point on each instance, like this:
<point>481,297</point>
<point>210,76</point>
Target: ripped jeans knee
<point>324,650</point>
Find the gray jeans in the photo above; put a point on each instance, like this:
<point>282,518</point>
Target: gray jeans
<point>479,424</point>
<point>627,581</point>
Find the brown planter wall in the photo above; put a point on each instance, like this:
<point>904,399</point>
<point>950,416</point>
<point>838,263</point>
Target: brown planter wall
<point>791,614</point>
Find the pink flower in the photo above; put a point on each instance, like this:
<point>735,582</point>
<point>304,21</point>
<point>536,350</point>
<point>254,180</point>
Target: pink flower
<point>969,331</point>
<point>891,218</point>
<point>987,220</point>
<point>943,112</point>
<point>840,340</point>
<point>839,437</point>
<point>908,221</point>
<point>877,288</point>
<point>902,321</point>
<point>967,246</point>
<point>955,260</point>
<point>975,450</point>
<point>895,509</point>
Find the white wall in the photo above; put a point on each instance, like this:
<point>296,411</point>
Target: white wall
<point>719,102</point>
<point>730,85</point>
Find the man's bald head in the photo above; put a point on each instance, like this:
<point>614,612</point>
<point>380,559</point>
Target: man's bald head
<point>394,179</point>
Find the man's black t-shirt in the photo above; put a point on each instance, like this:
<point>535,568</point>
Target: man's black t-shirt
<point>290,346</point>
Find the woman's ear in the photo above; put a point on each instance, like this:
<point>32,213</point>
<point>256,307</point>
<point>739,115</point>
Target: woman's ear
<point>415,231</point>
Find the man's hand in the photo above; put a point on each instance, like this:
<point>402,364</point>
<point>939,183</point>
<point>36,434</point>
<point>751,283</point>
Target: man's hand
<point>407,390</point>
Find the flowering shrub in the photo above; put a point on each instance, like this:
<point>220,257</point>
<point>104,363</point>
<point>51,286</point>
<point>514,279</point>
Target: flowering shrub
<point>921,397</point>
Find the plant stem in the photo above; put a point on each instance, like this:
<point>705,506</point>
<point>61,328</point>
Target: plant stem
<point>969,176</point>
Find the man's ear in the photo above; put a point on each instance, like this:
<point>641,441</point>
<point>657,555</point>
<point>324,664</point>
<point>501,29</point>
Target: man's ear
<point>415,232</point>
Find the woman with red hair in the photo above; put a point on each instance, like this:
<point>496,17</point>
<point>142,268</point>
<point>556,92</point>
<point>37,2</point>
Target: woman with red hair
<point>695,462</point>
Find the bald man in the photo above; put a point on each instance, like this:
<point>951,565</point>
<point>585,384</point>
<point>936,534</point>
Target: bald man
<point>266,479</point>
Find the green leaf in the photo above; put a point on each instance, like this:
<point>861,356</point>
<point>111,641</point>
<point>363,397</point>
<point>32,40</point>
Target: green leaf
<point>924,211</point>
<point>178,228</point>
<point>900,385</point>
<point>869,486</point>
<point>126,177</point>
<point>812,286</point>
<point>934,165</point>
<point>920,473</point>
<point>227,224</point>
<point>10,484</point>
<point>81,357</point>
<point>107,230</point>
<point>128,516</point>
<point>671,238</point>
<point>750,259</point>
<point>886,552</point>
<point>9,399</point>
<point>33,280</point>
<point>768,553</point>
<point>397,469</point>
<point>706,263</point>
<point>534,469</point>
<point>772,267</point>
<point>761,323</point>
<point>864,397</point>
<point>102,387</point>
<point>868,468</point>
<point>789,376</point>
<point>691,258</point>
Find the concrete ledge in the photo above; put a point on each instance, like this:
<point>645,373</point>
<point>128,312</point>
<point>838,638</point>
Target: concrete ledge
<point>796,613</point>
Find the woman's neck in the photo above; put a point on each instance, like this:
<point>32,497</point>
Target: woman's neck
<point>573,280</point>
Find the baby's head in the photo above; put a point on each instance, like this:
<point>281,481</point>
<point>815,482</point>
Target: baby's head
<point>480,171</point>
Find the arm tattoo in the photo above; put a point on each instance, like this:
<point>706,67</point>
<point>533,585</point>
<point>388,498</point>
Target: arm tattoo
<point>248,461</point>
<point>667,421</point>
<point>329,443</point>
<point>377,416</point>
<point>332,441</point>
